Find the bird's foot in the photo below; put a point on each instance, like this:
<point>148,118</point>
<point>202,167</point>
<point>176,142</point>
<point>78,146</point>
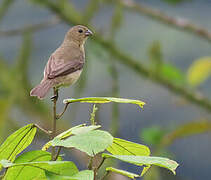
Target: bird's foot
<point>54,98</point>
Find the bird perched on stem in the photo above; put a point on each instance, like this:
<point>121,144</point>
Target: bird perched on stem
<point>66,63</point>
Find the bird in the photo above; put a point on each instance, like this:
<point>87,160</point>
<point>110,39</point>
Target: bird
<point>65,64</point>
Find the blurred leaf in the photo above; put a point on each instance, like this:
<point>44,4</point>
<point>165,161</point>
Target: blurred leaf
<point>17,142</point>
<point>117,18</point>
<point>172,73</point>
<point>4,6</point>
<point>123,147</point>
<point>175,1</point>
<point>185,130</point>
<point>155,54</point>
<point>80,129</point>
<point>91,142</point>
<point>96,100</point>
<point>91,9</point>
<point>146,160</point>
<point>81,175</point>
<point>199,71</point>
<point>152,135</point>
<point>122,172</point>
<point>24,172</point>
<point>66,168</point>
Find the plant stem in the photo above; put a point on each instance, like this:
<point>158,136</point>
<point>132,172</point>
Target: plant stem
<point>55,97</point>
<point>106,174</point>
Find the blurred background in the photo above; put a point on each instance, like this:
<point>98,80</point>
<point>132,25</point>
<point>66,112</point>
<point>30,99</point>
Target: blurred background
<point>157,51</point>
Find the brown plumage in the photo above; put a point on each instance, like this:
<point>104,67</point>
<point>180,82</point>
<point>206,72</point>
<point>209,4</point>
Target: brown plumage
<point>65,64</point>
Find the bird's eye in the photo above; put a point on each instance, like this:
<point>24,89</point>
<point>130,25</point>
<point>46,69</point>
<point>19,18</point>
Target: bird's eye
<point>80,30</point>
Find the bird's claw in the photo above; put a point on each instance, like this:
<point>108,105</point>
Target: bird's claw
<point>54,98</point>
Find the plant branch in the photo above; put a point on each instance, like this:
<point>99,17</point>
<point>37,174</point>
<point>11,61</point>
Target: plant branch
<point>31,28</point>
<point>134,64</point>
<point>178,23</point>
<point>58,116</point>
<point>55,97</point>
<point>43,130</point>
<point>105,175</point>
<point>58,152</point>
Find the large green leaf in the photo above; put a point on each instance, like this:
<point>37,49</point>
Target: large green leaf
<point>23,172</point>
<point>146,160</point>
<point>122,172</point>
<point>81,175</point>
<point>123,147</point>
<point>96,100</point>
<point>65,168</point>
<point>17,142</point>
<point>80,129</point>
<point>91,142</point>
<point>199,71</point>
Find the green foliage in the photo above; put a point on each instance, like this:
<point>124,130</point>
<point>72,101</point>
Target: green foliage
<point>91,142</point>
<point>199,71</point>
<point>37,164</point>
<point>4,6</point>
<point>80,129</point>
<point>167,71</point>
<point>81,175</point>
<point>174,2</point>
<point>122,172</point>
<point>17,142</point>
<point>97,100</point>
<point>145,160</point>
<point>123,147</point>
<point>152,135</point>
<point>23,172</point>
<point>66,168</point>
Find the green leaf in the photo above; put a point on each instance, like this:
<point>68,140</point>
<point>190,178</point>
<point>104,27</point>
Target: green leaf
<point>80,129</point>
<point>66,168</point>
<point>172,73</point>
<point>152,135</point>
<point>84,175</point>
<point>199,71</point>
<point>96,100</point>
<point>17,142</point>
<point>122,172</point>
<point>81,175</point>
<point>91,142</point>
<point>123,147</point>
<point>146,160</point>
<point>22,172</point>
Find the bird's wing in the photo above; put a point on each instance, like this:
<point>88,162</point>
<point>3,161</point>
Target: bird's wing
<point>56,68</point>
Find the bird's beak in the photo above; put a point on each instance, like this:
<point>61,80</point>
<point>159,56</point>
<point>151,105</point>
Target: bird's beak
<point>88,33</point>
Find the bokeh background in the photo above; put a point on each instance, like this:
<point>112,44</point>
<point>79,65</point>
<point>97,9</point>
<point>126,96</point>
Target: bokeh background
<point>158,51</point>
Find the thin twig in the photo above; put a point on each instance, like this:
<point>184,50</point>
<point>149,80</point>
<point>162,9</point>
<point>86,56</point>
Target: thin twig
<point>90,163</point>
<point>31,28</point>
<point>43,130</point>
<point>105,175</point>
<point>58,116</point>
<point>179,23</point>
<point>101,163</point>
<point>58,152</point>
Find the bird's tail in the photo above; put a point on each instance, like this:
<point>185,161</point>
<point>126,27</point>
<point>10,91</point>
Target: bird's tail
<point>42,89</point>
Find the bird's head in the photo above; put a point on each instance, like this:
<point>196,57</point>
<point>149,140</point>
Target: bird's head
<point>78,34</point>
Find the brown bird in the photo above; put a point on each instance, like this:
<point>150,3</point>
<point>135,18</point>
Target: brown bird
<point>66,63</point>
